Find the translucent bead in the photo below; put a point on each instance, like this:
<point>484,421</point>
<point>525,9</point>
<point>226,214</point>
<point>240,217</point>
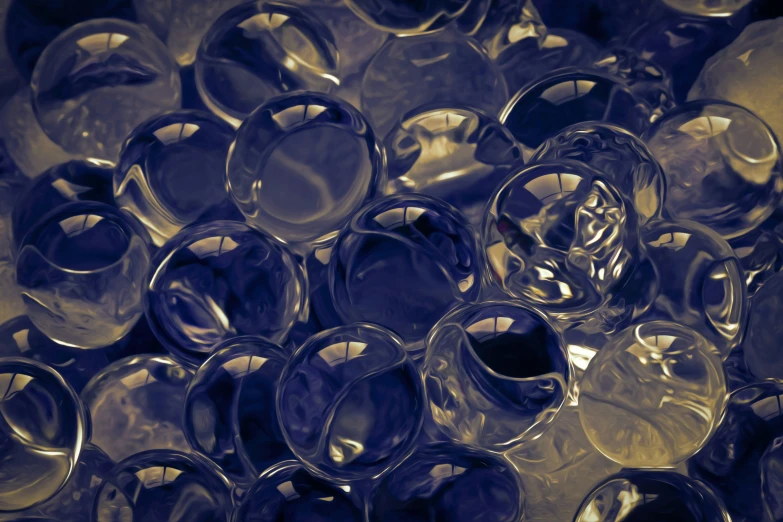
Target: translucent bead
<point>81,272</point>
<point>302,164</point>
<point>408,18</point>
<point>259,50</point>
<point>172,170</point>
<point>97,81</point>
<point>723,166</point>
<point>762,344</point>
<point>350,403</point>
<point>164,486</point>
<point>716,8</point>
<point>457,154</point>
<point>136,404</point>
<point>402,262</point>
<point>41,434</point>
<point>653,395</point>
<point>230,413</point>
<point>496,374</point>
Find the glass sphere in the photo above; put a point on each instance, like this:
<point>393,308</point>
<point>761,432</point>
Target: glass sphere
<point>617,154</point>
<point>259,50</point>
<point>230,413</point>
<point>136,404</point>
<point>302,164</point>
<point>350,403</point>
<point>653,395</point>
<point>287,492</point>
<point>42,430</point>
<point>457,154</point>
<point>406,17</point>
<point>496,374</point>
<point>218,280</point>
<point>717,8</point>
<point>723,166</point>
<point>402,262</point>
<point>97,81</point>
<point>172,170</point>
<point>445,67</point>
<point>762,345</point>
<point>164,486</point>
<point>448,482</point>
<point>81,272</point>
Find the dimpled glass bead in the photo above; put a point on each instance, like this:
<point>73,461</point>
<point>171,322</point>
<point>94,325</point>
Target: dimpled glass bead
<point>762,344</point>
<point>302,164</point>
<point>97,81</point>
<point>42,429</point>
<point>218,280</point>
<point>172,170</point>
<point>496,374</point>
<point>443,481</point>
<point>350,403</point>
<point>722,163</point>
<point>402,262</point>
<point>408,17</point>
<point>653,395</point>
<point>259,50</point>
<point>164,486</point>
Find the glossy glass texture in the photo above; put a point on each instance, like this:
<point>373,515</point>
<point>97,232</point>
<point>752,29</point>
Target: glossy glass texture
<point>760,252</point>
<point>136,404</point>
<point>302,164</point>
<point>218,280</point>
<point>504,28</point>
<point>97,81</point>
<point>408,17</point>
<point>259,50</point>
<point>457,154</point>
<point>350,403</point>
<point>164,486</point>
<point>402,262</point>
<point>81,273</point>
<point>717,8</point>
<point>42,430</point>
<point>448,482</point>
<point>230,412</point>
<point>496,374</point>
<point>762,344</point>
<point>653,395</point>
<point>172,170</point>
<point>723,166</point>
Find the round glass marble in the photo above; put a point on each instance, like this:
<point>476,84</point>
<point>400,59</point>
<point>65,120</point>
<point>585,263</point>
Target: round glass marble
<point>402,262</point>
<point>97,81</point>
<point>653,395</point>
<point>761,348</point>
<point>164,486</point>
<point>457,154</point>
<point>496,374</point>
<point>172,170</point>
<point>218,280</point>
<point>259,50</point>
<point>302,164</point>
<point>350,403</point>
<point>406,17</point>
<point>722,165</point>
<point>705,8</point>
<point>42,430</point>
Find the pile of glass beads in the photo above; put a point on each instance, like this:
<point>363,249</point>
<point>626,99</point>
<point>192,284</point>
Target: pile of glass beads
<point>380,260</point>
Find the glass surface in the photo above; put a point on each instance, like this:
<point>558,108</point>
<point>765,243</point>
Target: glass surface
<point>408,17</point>
<point>718,8</point>
<point>764,332</point>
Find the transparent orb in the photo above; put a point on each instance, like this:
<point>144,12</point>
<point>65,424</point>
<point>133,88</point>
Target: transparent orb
<point>136,404</point>
<point>717,8</point>
<point>407,17</point>
<point>445,67</point>
<point>402,262</point>
<point>350,403</point>
<point>764,331</point>
<point>302,164</point>
<point>286,491</point>
<point>617,154</point>
<point>455,153</point>
<point>496,374</point>
<point>172,170</point>
<point>700,281</point>
<point>230,413</point>
<point>218,280</point>
<point>722,163</point>
<point>97,81</point>
<point>42,430</point>
<point>653,395</point>
<point>163,486</point>
<point>81,273</point>
<point>448,482</point>
<point>259,50</point>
